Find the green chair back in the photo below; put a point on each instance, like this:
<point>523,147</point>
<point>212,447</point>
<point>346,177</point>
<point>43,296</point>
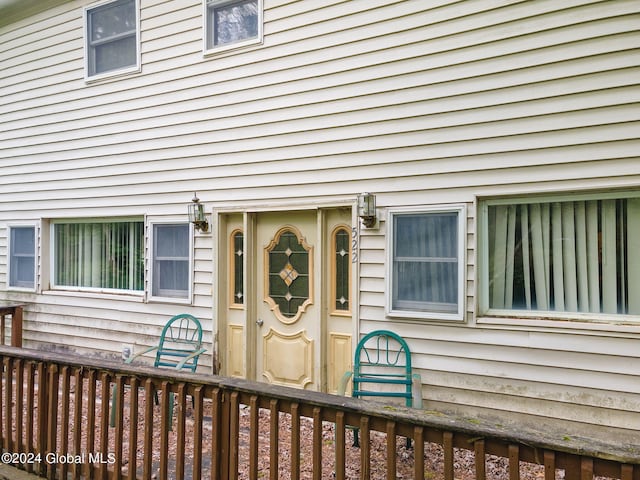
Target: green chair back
<point>181,337</point>
<point>383,360</point>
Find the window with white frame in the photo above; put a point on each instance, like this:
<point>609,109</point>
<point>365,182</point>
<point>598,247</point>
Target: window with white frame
<point>577,254</point>
<point>232,23</point>
<point>426,261</point>
<point>104,255</point>
<point>22,257</point>
<point>171,265</point>
<point>112,37</point>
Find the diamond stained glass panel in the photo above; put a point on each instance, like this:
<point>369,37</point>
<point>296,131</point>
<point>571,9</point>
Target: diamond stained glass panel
<point>288,273</point>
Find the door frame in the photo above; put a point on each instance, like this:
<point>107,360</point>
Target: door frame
<point>253,254</point>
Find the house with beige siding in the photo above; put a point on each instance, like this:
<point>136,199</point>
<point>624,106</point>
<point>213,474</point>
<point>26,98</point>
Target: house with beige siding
<point>499,140</point>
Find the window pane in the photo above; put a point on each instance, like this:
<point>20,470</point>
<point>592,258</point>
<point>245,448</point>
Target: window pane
<point>173,277</point>
<point>23,241</point>
<point>99,255</point>
<point>172,240</point>
<point>114,55</point>
<point>426,286</point>
<point>113,20</point>
<point>171,261</point>
<point>427,235</point>
<point>569,256</point>
<point>233,22</point>
<point>22,257</point>
<point>425,262</point>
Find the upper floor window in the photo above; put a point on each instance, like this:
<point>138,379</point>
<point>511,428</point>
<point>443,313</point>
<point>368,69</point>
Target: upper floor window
<point>22,257</point>
<point>232,23</point>
<point>426,262</point>
<point>562,255</point>
<point>171,265</point>
<point>99,255</point>
<point>112,38</point>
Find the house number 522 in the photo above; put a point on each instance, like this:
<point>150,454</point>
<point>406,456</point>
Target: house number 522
<point>354,245</point>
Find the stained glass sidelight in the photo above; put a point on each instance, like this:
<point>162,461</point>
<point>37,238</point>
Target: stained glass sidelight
<point>341,246</point>
<point>238,268</point>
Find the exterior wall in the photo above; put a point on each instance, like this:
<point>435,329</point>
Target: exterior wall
<point>423,103</point>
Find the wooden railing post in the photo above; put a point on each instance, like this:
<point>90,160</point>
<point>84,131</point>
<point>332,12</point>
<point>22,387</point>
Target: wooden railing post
<point>15,311</point>
<point>16,327</point>
<point>221,443</point>
<point>52,418</point>
<point>8,410</point>
<point>42,415</point>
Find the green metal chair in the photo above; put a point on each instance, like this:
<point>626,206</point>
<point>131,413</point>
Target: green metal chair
<point>179,347</point>
<point>382,368</point>
<point>180,344</point>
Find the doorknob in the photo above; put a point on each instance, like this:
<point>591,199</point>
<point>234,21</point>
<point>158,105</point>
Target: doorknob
<point>260,322</point>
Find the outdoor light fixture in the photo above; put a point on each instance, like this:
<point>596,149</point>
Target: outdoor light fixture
<point>367,209</point>
<point>196,214</point>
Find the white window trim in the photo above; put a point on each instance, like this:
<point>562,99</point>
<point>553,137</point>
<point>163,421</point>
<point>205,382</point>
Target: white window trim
<point>86,290</point>
<point>258,40</point>
<point>159,298</point>
<point>459,316</point>
<point>36,254</point>
<point>113,73</point>
<point>538,318</point>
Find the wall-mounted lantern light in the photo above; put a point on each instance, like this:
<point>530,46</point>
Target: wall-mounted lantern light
<point>197,216</point>
<point>367,209</point>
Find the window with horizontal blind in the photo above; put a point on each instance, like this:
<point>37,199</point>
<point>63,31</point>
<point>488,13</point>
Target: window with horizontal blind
<point>564,255</point>
<point>99,255</point>
<point>426,261</point>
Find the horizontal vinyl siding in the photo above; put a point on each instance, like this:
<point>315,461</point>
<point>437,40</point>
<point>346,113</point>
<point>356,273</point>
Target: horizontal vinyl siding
<point>423,103</point>
<point>100,326</point>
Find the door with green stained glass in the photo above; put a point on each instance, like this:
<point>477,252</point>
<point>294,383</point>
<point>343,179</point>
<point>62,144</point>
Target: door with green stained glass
<point>288,322</point>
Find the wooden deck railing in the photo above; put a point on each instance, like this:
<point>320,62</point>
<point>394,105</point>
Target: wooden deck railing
<point>55,422</point>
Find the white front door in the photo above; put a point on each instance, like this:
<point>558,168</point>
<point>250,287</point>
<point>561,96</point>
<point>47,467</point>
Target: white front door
<point>288,314</point>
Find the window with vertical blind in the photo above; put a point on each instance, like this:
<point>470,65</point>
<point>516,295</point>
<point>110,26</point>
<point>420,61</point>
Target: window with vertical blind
<point>561,256</point>
<point>426,263</point>
<point>99,255</point>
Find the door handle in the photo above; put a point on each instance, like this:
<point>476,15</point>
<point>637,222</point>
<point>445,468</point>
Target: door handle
<point>259,322</point>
